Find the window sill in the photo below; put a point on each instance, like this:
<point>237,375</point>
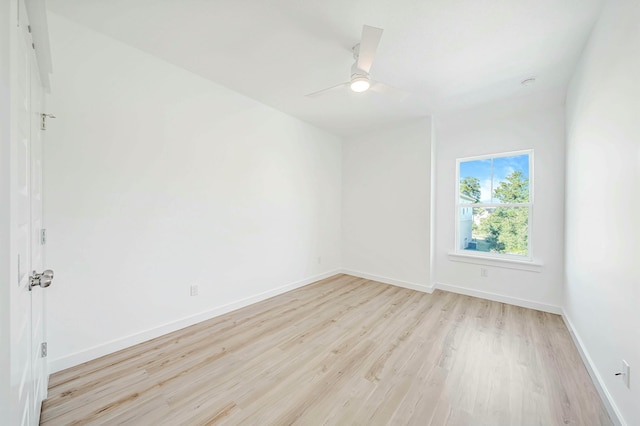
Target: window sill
<point>523,265</point>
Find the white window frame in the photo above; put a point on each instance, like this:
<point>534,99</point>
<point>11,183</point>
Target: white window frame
<point>458,205</point>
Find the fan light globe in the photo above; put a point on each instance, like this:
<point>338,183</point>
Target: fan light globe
<point>360,84</point>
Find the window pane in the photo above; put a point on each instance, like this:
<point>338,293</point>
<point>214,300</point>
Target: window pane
<point>511,179</point>
<point>475,181</point>
<point>494,230</point>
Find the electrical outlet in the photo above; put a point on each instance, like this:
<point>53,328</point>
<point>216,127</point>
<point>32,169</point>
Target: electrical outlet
<point>194,290</point>
<point>484,272</point>
<point>626,373</point>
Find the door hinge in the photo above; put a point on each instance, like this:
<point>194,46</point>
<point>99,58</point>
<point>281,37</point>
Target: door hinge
<point>43,123</point>
<point>43,349</point>
<point>43,236</point>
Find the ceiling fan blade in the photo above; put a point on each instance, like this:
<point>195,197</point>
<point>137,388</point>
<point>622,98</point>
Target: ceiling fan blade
<point>389,91</point>
<point>330,89</point>
<point>368,46</point>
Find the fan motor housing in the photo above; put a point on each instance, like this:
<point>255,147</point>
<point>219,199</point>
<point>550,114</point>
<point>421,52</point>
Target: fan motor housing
<point>357,72</point>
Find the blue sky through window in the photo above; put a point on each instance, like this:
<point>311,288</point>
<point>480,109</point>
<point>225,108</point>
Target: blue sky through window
<point>492,171</point>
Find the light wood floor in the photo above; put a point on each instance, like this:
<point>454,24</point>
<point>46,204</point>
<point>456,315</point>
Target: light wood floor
<point>342,351</point>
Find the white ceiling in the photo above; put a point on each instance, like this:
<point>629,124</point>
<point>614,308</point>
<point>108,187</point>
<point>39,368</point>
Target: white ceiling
<point>448,53</point>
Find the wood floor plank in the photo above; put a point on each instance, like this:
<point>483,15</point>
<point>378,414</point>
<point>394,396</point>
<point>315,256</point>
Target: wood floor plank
<point>343,350</point>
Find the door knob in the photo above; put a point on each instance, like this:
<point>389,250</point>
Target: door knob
<point>43,280</point>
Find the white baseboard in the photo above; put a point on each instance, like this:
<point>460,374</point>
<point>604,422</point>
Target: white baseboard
<point>596,378</point>
<point>97,351</point>
<point>392,281</point>
<point>500,298</point>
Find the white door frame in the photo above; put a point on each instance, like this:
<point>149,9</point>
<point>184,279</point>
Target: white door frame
<point>6,28</point>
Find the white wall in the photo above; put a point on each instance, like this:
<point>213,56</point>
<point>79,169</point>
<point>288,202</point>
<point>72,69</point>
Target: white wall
<point>602,293</point>
<point>527,122</point>
<point>158,179</point>
<point>5,153</point>
<point>385,204</point>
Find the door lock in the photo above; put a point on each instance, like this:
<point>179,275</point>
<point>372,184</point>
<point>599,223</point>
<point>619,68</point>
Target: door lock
<point>43,280</point>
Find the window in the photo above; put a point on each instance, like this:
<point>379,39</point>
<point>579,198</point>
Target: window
<point>494,201</point>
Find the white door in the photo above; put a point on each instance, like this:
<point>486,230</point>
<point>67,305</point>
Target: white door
<point>27,308</point>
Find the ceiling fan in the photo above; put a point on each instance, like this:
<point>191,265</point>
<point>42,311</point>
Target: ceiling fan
<point>363,53</point>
